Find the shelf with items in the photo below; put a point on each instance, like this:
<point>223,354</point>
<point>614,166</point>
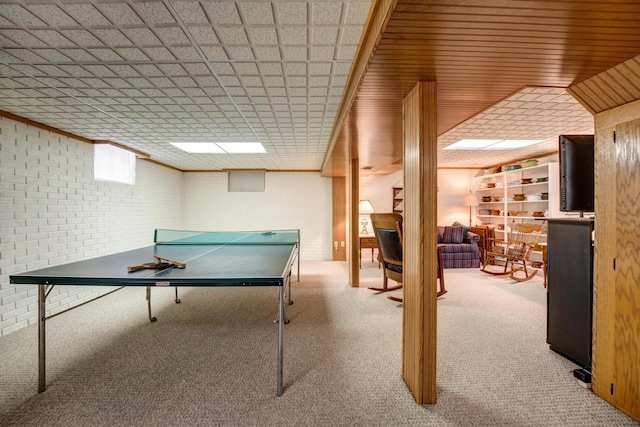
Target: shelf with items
<point>524,194</point>
<point>398,199</point>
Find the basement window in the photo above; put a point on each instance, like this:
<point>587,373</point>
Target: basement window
<point>114,164</point>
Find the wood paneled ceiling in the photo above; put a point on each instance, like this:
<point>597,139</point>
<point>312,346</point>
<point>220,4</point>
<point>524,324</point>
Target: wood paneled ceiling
<point>480,53</point>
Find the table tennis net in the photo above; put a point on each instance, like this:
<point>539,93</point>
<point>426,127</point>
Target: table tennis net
<point>183,237</point>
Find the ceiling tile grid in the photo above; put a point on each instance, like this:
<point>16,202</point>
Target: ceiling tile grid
<point>146,73</point>
<point>532,113</point>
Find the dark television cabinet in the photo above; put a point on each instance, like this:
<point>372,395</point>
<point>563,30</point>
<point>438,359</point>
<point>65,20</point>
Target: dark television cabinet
<point>570,288</point>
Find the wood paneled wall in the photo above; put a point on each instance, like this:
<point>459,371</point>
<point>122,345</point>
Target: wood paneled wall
<point>339,218</point>
<point>616,322</point>
<point>419,243</point>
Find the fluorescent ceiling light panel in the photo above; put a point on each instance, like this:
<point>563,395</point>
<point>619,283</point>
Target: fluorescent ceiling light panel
<point>242,147</point>
<point>220,147</point>
<point>471,144</point>
<point>198,147</point>
<point>492,144</point>
<point>511,144</point>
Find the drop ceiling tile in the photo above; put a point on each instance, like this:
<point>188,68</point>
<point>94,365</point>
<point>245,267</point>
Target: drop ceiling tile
<point>267,53</point>
<point>20,16</point>
<point>215,53</point>
<point>328,13</point>
<point>98,70</point>
<point>81,37</point>
<point>153,13</point>
<point>295,68</point>
<point>346,53</point>
<point>132,53</point>
<point>294,13</point>
<point>172,36</point>
<point>119,13</point>
<point>257,13</point>
<point>274,81</point>
<point>86,14</point>
<point>203,35</point>
<point>294,53</point>
<point>105,54</point>
<point>232,35</point>
<point>240,53</point>
<point>52,15</point>
<point>356,13</point>
<point>294,35</point>
<point>318,81</point>
<point>142,36</point>
<point>23,38</point>
<point>320,69</point>
<point>222,13</point>
<point>77,55</point>
<point>324,35</point>
<point>246,69</point>
<point>52,38</point>
<point>251,81</point>
<point>263,36</point>
<point>190,12</point>
<point>171,70</point>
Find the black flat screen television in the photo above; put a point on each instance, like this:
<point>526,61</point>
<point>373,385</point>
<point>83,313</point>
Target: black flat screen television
<point>576,173</point>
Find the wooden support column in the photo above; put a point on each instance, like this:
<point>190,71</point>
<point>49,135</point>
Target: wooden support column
<point>354,240</point>
<point>419,243</point>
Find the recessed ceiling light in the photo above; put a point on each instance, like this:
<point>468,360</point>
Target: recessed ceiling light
<point>471,144</point>
<point>510,144</point>
<point>198,147</point>
<point>220,147</point>
<point>492,144</point>
<point>242,147</point>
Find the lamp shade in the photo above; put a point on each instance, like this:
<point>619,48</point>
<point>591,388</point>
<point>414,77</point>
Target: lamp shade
<point>364,207</point>
<point>470,200</point>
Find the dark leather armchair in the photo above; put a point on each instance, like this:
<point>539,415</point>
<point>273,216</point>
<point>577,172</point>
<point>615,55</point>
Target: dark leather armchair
<point>388,230</point>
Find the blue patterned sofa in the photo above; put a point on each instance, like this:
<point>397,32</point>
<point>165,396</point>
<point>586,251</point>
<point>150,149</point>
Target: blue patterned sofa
<point>460,247</point>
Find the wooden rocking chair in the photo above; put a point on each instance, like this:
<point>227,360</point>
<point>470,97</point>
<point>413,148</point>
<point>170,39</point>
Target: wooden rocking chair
<point>513,253</point>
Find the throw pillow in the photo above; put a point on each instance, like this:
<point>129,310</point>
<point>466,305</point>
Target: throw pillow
<point>458,224</point>
<point>453,235</point>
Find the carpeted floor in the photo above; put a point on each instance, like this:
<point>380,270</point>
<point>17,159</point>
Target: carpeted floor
<point>211,360</point>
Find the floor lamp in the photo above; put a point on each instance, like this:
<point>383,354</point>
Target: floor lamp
<point>470,200</point>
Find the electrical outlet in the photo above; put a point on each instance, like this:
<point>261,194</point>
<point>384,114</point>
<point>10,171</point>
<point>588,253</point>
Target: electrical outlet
<point>342,243</point>
<point>335,245</point>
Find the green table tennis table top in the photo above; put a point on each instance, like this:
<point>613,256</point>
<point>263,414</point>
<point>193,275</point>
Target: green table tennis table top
<point>258,258</point>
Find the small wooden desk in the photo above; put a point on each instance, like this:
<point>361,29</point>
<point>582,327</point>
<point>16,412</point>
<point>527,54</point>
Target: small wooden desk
<point>368,241</point>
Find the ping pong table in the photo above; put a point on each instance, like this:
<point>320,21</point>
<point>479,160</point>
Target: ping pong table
<point>181,258</point>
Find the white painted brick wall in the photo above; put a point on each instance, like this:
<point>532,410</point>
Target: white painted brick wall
<point>291,200</point>
<point>53,212</point>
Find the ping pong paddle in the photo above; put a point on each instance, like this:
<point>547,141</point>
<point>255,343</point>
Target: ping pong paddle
<point>160,264</point>
<point>149,265</point>
<point>174,263</point>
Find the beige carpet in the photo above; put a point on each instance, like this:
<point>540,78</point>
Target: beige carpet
<point>211,360</point>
